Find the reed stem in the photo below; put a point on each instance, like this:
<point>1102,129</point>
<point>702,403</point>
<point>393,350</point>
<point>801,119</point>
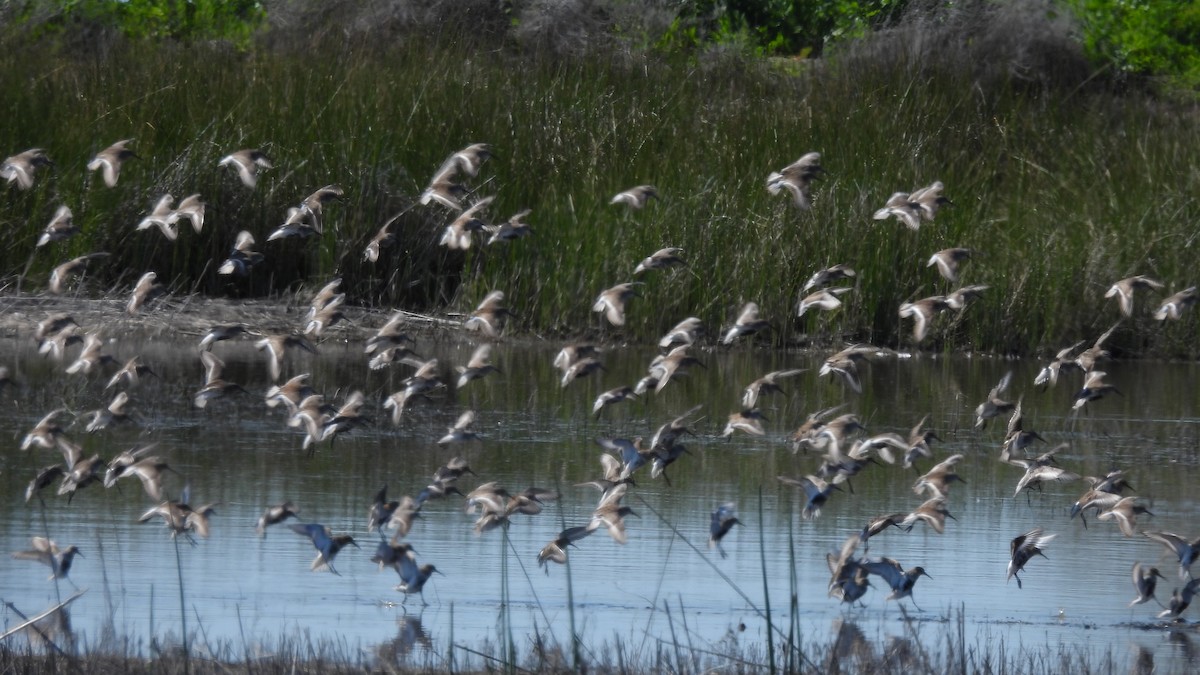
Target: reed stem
<point>182,609</point>
<point>762,556</point>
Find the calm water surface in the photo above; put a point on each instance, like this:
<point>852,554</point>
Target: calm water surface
<point>248,591</point>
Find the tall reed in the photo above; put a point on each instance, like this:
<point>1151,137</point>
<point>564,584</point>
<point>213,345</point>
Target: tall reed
<point>508,646</point>
<point>183,633</point>
<point>762,559</point>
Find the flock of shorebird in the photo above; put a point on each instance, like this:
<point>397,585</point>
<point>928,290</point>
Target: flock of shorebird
<point>845,449</point>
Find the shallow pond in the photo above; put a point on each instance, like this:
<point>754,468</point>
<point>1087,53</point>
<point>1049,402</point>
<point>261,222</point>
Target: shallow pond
<point>240,589</point>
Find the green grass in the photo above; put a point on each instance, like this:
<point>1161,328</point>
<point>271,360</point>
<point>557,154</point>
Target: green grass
<point>1061,189</point>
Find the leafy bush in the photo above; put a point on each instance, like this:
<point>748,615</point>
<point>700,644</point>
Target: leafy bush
<point>232,20</point>
<point>793,27</point>
<point>1132,37</point>
<point>1148,37</point>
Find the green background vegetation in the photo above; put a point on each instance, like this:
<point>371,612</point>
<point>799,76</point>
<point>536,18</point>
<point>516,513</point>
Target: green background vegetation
<point>1066,135</point>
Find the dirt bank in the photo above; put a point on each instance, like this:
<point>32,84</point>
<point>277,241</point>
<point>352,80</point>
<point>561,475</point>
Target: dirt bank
<point>186,317</point>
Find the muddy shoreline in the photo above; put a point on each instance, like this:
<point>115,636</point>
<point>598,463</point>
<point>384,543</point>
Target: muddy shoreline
<point>191,316</point>
<point>188,317</point>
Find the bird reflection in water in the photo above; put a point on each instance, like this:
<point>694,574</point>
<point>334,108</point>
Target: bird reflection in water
<point>850,647</point>
<point>411,638</point>
<point>1182,645</point>
<point>1141,661</point>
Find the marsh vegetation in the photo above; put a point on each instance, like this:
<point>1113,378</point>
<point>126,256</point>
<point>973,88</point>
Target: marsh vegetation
<point>1063,179</point>
<point>1063,174</point>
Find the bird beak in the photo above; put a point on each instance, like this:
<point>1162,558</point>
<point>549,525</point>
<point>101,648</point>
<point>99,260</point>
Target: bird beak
<point>951,516</point>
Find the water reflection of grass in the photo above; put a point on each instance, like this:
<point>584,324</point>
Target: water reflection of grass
<point>938,648</point>
<point>1061,192</point>
<point>857,642</point>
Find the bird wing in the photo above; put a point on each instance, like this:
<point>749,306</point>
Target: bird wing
<point>1174,543</point>
<point>887,569</point>
<point>213,366</point>
<point>946,265</point>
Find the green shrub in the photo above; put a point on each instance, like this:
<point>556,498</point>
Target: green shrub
<point>1146,37</point>
<point>783,27</point>
<point>231,20</point>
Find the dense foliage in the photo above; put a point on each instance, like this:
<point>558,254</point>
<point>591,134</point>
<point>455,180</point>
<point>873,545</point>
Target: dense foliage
<point>800,27</point>
<point>235,20</point>
<point>1142,37</point>
<point>1147,37</point>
